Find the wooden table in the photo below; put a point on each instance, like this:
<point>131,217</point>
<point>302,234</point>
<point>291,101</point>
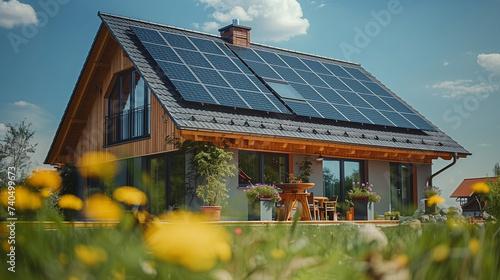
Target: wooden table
<point>286,206</point>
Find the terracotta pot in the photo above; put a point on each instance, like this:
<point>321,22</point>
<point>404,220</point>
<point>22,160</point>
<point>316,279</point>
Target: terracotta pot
<point>212,212</point>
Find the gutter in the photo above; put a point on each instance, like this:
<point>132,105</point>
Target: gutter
<point>429,181</point>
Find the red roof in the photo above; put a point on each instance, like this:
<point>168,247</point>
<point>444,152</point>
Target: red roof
<point>465,188</point>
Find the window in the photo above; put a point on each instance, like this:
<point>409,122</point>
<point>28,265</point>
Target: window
<point>402,187</point>
<point>285,90</point>
<point>338,176</point>
<point>261,168</point>
<point>128,109</point>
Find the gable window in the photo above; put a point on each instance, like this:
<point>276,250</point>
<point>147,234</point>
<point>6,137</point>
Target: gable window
<point>128,109</point>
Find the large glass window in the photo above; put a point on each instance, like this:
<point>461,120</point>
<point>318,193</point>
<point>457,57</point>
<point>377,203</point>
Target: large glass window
<point>402,187</point>
<point>128,109</point>
<point>261,168</point>
<point>338,176</point>
<point>165,182</point>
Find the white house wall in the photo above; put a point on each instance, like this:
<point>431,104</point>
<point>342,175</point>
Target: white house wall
<point>379,176</point>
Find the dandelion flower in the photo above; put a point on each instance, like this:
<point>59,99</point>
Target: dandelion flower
<point>186,241</point>
<point>278,254</point>
<point>481,187</point>
<point>440,253</point>
<point>70,201</point>
<point>435,199</point>
<point>474,246</point>
<point>130,196</point>
<point>101,207</point>
<point>90,255</point>
<point>23,198</point>
<point>45,179</point>
<point>97,165</point>
<point>45,193</point>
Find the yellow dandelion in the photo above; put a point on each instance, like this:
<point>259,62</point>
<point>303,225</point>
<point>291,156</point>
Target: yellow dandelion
<point>101,207</point>
<point>63,259</point>
<point>46,179</point>
<point>73,278</point>
<point>278,254</point>
<point>440,253</point>
<point>90,255</point>
<point>435,199</point>
<point>130,196</point>
<point>474,246</point>
<point>98,165</point>
<point>45,193</point>
<point>481,187</point>
<point>22,199</point>
<point>70,201</point>
<point>402,260</point>
<point>186,241</point>
<point>142,216</point>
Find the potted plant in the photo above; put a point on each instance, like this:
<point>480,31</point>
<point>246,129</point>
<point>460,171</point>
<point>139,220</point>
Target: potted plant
<point>362,198</point>
<point>267,196</point>
<point>430,191</point>
<point>211,164</point>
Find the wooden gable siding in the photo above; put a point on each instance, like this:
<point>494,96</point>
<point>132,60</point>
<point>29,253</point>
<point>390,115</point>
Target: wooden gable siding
<point>92,136</point>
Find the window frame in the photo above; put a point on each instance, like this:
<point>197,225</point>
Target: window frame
<point>114,121</point>
<point>261,161</point>
<point>342,191</point>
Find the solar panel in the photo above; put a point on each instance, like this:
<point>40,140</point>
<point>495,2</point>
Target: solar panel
<point>148,35</point>
<point>353,93</point>
<point>357,74</point>
<point>206,46</point>
<point>162,52</point>
<point>311,78</point>
<point>418,121</point>
<point>179,41</point>
<point>207,71</point>
<point>304,108</point>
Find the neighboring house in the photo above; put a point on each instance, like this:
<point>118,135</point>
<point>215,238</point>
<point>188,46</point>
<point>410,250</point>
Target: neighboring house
<point>464,194</point>
<point>144,84</point>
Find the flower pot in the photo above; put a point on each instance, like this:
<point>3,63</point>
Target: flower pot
<point>363,209</point>
<point>212,212</point>
<point>261,210</point>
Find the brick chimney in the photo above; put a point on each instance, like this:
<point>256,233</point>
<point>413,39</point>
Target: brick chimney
<point>236,34</point>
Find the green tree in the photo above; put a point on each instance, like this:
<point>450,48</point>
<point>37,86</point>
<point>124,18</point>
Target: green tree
<point>16,150</point>
<point>496,169</point>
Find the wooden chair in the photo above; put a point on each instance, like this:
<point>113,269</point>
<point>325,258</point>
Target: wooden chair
<point>331,206</point>
<point>313,206</point>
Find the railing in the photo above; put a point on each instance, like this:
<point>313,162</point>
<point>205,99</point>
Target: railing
<point>127,125</point>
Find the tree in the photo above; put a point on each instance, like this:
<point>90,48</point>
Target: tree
<point>496,169</point>
<point>16,150</point>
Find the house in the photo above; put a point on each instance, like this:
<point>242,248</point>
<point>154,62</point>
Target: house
<point>144,84</point>
<point>467,198</point>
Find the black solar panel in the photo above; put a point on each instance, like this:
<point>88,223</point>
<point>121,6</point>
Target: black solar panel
<point>327,86</point>
<point>207,71</point>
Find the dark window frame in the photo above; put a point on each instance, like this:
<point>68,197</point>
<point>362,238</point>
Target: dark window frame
<point>399,185</point>
<point>135,121</point>
<point>261,160</point>
<point>342,194</point>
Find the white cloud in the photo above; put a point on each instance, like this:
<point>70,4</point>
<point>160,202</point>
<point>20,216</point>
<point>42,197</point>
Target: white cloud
<point>22,103</point>
<point>446,63</point>
<point>484,144</point>
<point>458,88</point>
<point>490,62</point>
<point>196,25</point>
<point>277,20</point>
<point>3,129</point>
<point>14,13</point>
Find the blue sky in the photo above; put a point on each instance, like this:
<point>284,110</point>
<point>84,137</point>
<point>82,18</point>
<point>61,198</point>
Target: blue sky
<point>441,57</point>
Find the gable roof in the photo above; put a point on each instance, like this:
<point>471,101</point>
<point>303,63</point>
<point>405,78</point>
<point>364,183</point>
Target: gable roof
<point>283,123</point>
<point>465,188</point>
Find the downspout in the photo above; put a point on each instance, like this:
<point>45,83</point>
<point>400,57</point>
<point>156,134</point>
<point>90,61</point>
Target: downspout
<point>429,181</point>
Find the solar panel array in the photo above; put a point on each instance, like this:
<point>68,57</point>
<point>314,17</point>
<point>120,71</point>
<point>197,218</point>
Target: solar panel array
<point>330,91</point>
<point>207,71</point>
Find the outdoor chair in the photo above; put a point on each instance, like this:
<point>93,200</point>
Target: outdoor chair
<point>331,206</point>
<point>313,206</point>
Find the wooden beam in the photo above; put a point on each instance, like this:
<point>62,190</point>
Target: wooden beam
<point>251,142</point>
<point>302,147</point>
<point>321,148</point>
<point>285,145</point>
